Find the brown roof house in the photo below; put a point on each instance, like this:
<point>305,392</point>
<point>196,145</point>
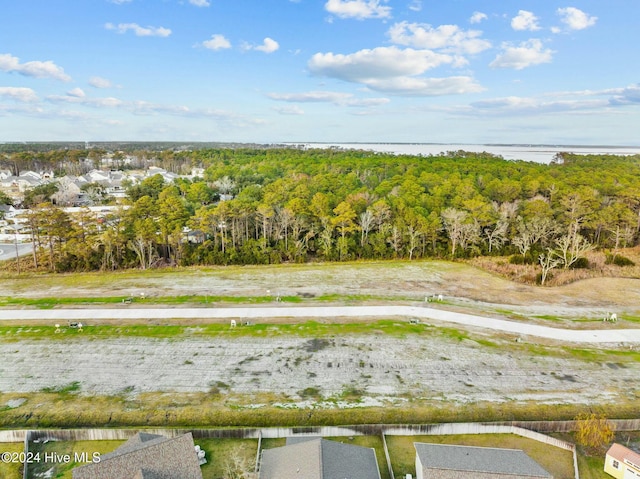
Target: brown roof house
<point>622,463</point>
<point>442,461</point>
<point>147,456</point>
<point>318,458</point>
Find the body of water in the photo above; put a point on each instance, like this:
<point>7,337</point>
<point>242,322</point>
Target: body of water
<point>536,153</point>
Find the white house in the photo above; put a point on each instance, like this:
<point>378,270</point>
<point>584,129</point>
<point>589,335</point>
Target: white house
<point>622,463</point>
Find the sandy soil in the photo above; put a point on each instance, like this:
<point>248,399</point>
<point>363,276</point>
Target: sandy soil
<point>383,368</point>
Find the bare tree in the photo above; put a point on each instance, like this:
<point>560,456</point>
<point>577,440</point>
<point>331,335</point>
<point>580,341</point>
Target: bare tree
<point>225,185</point>
<point>453,220</point>
<point>497,235</point>
<point>572,246</point>
<point>366,221</point>
<point>414,235</point>
<point>237,466</point>
<point>395,239</point>
<point>548,261</point>
<point>534,231</point>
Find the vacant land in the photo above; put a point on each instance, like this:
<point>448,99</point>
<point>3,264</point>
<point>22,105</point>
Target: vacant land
<point>309,365</point>
<point>386,363</point>
<point>462,285</point>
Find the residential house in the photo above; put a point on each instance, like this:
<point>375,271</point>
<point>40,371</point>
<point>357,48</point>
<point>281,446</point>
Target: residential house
<point>443,461</point>
<point>146,456</point>
<point>318,458</point>
<point>168,176</point>
<point>622,462</point>
<point>69,192</point>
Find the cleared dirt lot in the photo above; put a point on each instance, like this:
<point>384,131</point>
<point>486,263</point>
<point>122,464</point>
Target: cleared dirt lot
<point>379,367</point>
<point>459,283</point>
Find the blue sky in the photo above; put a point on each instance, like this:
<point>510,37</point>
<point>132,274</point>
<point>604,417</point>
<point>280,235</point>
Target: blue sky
<point>449,71</point>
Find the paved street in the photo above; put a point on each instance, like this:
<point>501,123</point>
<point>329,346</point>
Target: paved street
<point>8,250</point>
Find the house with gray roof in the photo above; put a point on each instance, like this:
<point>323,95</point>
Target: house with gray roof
<point>319,459</point>
<point>146,456</point>
<point>443,461</point>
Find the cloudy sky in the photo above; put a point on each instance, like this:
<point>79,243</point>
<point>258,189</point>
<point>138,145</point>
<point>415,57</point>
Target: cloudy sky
<point>448,71</point>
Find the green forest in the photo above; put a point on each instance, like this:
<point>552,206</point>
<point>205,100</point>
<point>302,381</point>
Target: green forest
<point>272,205</point>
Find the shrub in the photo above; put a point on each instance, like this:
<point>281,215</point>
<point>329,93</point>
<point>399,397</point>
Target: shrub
<point>547,279</point>
<point>516,259</point>
<point>618,260</point>
<point>580,263</point>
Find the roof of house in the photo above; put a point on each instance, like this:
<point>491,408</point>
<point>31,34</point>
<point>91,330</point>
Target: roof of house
<point>146,456</point>
<point>319,459</point>
<point>621,453</point>
<point>479,459</point>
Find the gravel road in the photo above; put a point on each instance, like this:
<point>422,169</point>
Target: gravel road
<point>612,336</point>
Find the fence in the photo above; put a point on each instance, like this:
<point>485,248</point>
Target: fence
<point>530,429</point>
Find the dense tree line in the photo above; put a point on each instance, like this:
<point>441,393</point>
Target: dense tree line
<point>257,206</point>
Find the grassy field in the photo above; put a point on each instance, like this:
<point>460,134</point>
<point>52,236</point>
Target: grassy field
<point>62,470</point>
<point>11,470</point>
<point>555,460</point>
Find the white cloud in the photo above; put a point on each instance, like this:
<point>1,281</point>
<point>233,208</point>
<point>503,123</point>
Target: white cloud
<point>576,19</point>
<point>217,42</point>
<point>478,17</point>
<point>119,2</point>
<point>415,5</point>
<point>76,92</point>
<point>36,69</point>
<point>269,45</point>
<point>26,95</point>
<point>381,62</point>
<point>290,110</point>
<point>514,105</point>
<point>419,86</point>
<point>312,97</point>
<point>393,70</point>
<point>359,9</point>
<point>336,98</point>
<point>626,96</point>
<point>145,108</point>
<point>525,55</point>
<point>99,82</point>
<point>199,3</point>
<point>447,37</point>
<point>525,21</point>
<point>108,102</point>
<point>138,30</point>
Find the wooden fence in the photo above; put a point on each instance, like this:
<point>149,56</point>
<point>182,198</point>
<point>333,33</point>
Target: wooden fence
<point>531,429</point>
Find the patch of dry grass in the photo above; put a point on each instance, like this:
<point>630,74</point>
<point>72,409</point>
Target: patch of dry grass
<point>11,470</point>
<point>220,451</point>
<point>50,410</point>
<point>63,470</point>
